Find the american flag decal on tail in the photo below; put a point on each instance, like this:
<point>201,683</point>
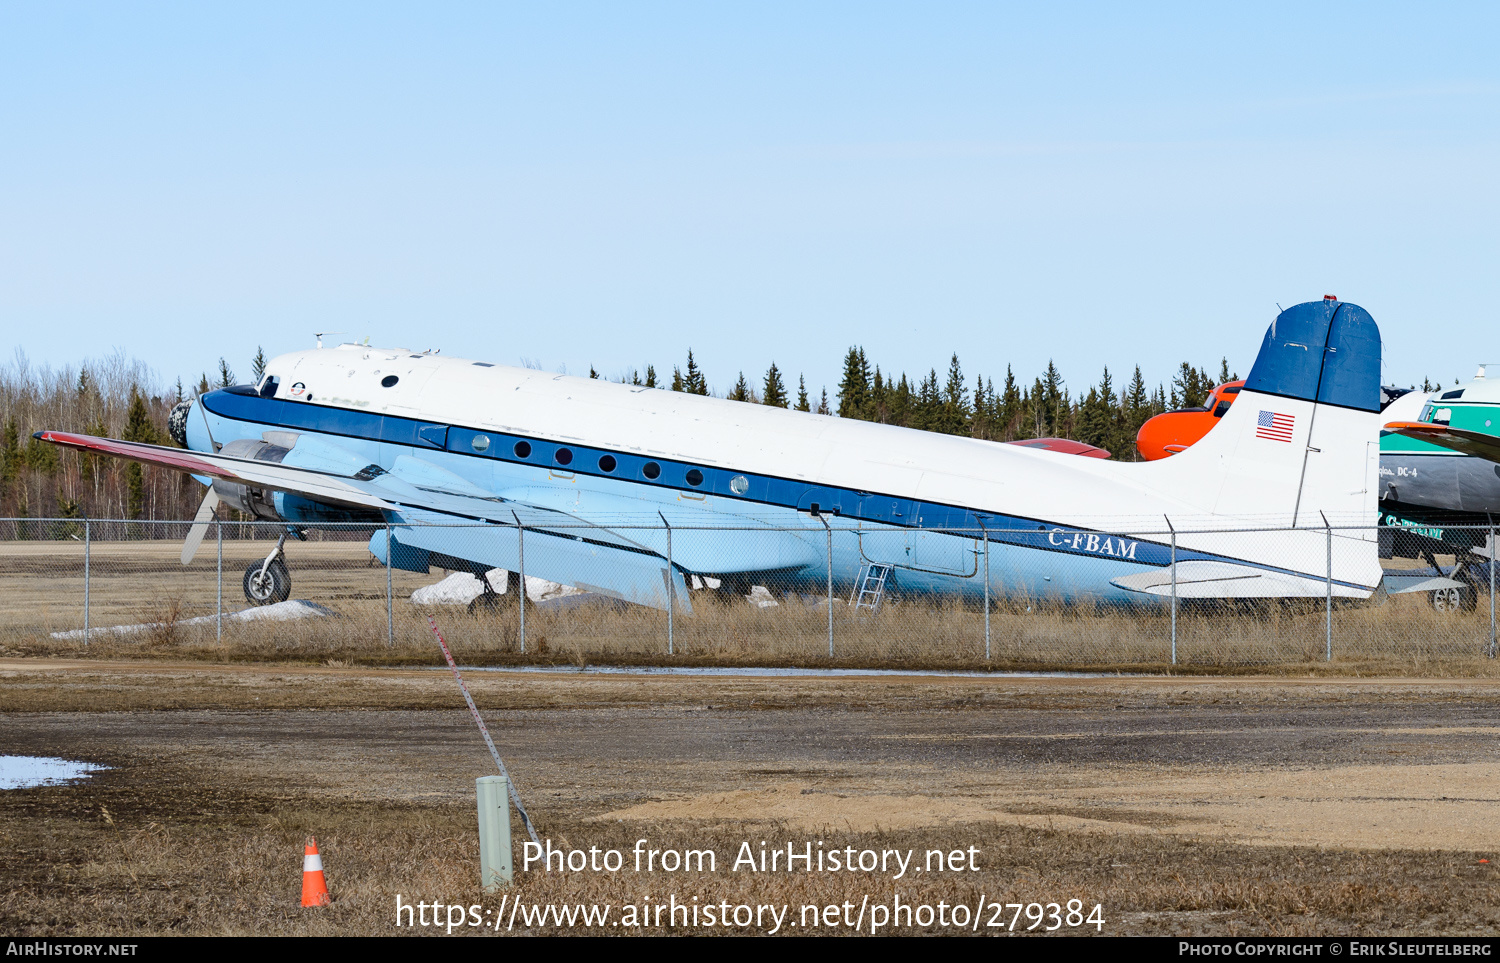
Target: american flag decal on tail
<point>1275,426</point>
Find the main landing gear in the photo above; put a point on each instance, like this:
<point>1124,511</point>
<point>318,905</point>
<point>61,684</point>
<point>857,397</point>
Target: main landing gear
<point>268,581</point>
<point>1454,600</point>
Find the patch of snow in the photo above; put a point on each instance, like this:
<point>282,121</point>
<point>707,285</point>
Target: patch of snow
<point>21,772</point>
<point>461,588</point>
<point>287,611</point>
<point>760,597</point>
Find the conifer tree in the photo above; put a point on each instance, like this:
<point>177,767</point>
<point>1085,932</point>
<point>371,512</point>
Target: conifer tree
<point>854,388</point>
<point>1010,407</point>
<point>740,391</point>
<point>953,412</point>
<point>10,454</point>
<point>1052,401</point>
<point>138,427</point>
<point>878,409</point>
<point>823,408</point>
<point>677,383</point>
<point>650,376</point>
<point>226,376</point>
<point>258,365</point>
<point>802,404</point>
<point>693,382</point>
<point>775,392</point>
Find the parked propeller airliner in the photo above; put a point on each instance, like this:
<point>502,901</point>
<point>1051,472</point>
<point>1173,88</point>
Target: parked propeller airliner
<point>419,442</point>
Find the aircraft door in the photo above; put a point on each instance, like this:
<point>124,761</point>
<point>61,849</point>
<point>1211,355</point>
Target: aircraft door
<point>951,554</point>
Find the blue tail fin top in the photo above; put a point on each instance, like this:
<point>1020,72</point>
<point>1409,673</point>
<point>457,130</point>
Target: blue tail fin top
<point>1323,351</point>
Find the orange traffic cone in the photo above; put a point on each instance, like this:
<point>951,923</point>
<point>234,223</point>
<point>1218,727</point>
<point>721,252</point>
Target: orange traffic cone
<point>314,887</point>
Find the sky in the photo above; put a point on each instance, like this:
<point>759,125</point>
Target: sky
<point>608,185</point>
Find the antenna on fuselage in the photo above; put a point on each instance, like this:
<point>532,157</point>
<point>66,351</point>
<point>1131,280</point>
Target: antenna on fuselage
<point>319,335</point>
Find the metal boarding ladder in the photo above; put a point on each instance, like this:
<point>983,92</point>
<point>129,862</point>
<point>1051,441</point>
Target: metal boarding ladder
<point>870,589</point>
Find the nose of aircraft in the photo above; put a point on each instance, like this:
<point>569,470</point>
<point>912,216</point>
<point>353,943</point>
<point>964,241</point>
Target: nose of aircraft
<point>177,422</point>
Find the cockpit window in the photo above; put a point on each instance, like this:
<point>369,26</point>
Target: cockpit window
<point>268,386</point>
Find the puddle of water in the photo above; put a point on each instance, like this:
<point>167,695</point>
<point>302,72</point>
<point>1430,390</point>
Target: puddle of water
<point>21,772</point>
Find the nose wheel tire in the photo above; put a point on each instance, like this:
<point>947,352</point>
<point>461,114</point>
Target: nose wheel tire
<point>268,587</point>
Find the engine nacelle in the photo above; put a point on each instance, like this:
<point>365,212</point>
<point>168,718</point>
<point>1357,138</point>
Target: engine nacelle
<point>274,506</point>
<point>257,502</point>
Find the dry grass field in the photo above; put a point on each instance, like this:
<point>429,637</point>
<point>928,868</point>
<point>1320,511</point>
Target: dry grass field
<point>134,583</point>
<point>1181,806</point>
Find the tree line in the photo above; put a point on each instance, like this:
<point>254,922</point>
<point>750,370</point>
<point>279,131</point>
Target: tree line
<point>1106,414</point>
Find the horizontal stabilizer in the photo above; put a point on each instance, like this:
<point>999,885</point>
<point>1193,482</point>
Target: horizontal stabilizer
<point>1404,584</point>
<point>1226,580</point>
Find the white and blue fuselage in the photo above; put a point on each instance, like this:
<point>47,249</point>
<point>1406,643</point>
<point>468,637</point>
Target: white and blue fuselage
<point>728,476</point>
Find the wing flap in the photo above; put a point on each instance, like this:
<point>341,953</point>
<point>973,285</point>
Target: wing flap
<point>571,558</point>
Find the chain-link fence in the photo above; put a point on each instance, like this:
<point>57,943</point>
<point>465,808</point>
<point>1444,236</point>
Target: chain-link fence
<point>827,592</point>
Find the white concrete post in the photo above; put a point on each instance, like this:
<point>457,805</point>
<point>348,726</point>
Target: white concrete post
<point>219,580</point>
<point>495,866</point>
<point>87,550</point>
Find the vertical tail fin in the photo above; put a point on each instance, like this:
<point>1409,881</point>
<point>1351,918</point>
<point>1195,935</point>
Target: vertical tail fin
<point>1301,442</point>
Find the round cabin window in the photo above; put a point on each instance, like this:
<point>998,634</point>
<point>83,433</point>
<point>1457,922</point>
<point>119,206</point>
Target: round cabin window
<point>606,462</point>
<point>480,443</point>
<point>389,381</point>
<point>739,484</point>
<point>564,456</point>
<point>523,449</point>
<point>694,477</point>
<point>653,471</point>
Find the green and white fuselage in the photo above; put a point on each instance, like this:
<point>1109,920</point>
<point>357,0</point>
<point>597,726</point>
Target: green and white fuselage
<point>1427,486</point>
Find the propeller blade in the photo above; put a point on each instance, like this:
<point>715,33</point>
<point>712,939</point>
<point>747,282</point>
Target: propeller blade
<point>200,525</point>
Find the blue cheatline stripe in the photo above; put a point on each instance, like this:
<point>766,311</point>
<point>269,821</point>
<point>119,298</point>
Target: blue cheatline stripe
<point>629,467</point>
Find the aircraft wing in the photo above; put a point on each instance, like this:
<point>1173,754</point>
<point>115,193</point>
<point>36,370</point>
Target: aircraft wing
<point>580,538</point>
<point>326,487</point>
<point>1477,443</point>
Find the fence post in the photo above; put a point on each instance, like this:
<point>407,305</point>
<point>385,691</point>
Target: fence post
<point>1328,599</point>
<point>219,581</point>
<point>492,797</point>
<point>986,532</point>
<point>89,551</point>
<point>390,617</point>
<point>671,584</point>
<point>520,575</point>
<point>1492,588</point>
<point>829,530</point>
<point>1173,567</point>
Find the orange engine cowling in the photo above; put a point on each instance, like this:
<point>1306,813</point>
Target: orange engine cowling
<point>1169,433</point>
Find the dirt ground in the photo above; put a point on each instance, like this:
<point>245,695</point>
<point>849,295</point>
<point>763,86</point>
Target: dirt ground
<point>1180,806</point>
